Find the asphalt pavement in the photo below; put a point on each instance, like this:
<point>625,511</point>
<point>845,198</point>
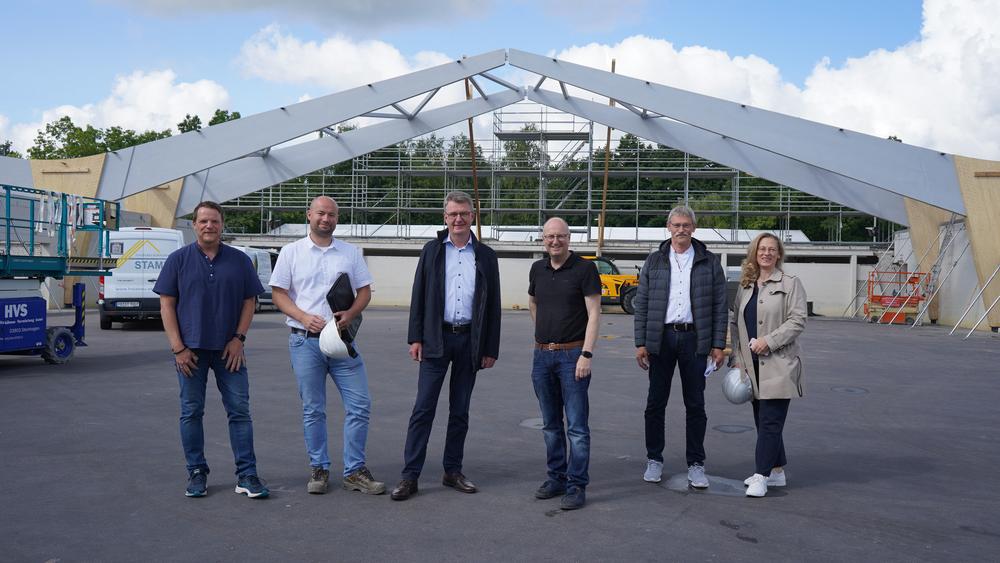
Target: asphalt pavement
<point>892,457</point>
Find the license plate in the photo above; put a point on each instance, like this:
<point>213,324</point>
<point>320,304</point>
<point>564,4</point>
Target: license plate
<point>127,304</point>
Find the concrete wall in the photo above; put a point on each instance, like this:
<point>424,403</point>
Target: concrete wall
<point>394,280</point>
<point>829,286</point>
<point>962,284</point>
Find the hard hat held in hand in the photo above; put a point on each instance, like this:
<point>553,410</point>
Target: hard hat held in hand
<point>330,342</point>
<point>736,387</point>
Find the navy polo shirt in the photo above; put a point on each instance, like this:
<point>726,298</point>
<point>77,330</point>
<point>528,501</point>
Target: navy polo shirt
<point>560,308</point>
<point>210,293</point>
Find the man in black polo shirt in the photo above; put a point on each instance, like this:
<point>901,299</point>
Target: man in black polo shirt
<point>565,301</point>
<point>207,292</point>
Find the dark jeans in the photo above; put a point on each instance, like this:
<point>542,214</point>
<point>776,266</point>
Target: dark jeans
<point>553,374</point>
<point>429,383</point>
<point>769,418</point>
<point>677,349</point>
<point>234,386</point>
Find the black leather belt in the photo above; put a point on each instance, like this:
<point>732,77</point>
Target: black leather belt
<point>305,333</point>
<point>456,329</point>
<point>680,327</point>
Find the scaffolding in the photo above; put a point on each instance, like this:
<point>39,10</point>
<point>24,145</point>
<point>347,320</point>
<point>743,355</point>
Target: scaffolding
<point>540,162</point>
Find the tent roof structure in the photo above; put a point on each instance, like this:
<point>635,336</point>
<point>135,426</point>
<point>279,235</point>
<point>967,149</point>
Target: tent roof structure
<point>235,158</point>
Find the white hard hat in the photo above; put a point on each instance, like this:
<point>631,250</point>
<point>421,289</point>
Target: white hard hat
<point>736,387</point>
<point>330,342</point>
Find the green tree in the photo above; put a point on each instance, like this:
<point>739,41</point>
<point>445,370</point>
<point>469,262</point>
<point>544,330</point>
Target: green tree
<point>7,149</point>
<point>189,123</point>
<point>64,139</point>
<point>222,116</point>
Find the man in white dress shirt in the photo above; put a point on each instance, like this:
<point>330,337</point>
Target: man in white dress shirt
<point>680,321</point>
<point>305,271</point>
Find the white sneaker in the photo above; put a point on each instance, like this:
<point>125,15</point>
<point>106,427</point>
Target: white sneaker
<point>757,487</point>
<point>696,476</point>
<point>654,471</point>
<point>775,479</point>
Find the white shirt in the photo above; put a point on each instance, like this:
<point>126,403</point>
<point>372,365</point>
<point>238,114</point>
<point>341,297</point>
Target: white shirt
<point>459,282</point>
<point>308,271</point>
<point>679,299</point>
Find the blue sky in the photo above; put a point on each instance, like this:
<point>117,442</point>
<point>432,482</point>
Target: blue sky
<point>69,55</point>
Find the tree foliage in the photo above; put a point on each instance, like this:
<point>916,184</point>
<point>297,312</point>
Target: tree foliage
<point>189,123</point>
<point>64,139</point>
<point>222,116</point>
<point>7,149</point>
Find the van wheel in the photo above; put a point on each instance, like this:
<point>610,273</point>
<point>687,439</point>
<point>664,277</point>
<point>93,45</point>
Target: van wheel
<point>627,300</point>
<point>59,346</point>
<point>256,305</point>
<point>105,323</point>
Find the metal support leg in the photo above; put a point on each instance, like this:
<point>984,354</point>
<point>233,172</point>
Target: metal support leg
<point>975,326</point>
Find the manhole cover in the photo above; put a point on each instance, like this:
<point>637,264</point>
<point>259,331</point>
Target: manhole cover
<point>850,390</point>
<point>732,428</point>
<point>535,423</point>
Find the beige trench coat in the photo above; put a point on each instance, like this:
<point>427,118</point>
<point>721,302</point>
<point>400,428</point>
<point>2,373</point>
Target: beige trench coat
<point>781,316</point>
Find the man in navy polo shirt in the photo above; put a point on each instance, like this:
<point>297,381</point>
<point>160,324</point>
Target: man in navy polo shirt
<point>564,297</point>
<point>207,292</point>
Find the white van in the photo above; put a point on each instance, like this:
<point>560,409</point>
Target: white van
<point>127,295</point>
<point>262,264</point>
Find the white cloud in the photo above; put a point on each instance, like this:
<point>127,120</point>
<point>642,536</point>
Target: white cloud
<point>941,91</point>
<point>336,63</point>
<point>140,101</point>
<point>338,13</point>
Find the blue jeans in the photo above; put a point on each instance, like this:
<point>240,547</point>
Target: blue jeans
<point>311,368</point>
<point>429,383</point>
<point>553,374</point>
<point>234,386</point>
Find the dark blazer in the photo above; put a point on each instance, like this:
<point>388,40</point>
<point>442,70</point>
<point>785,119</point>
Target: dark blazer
<point>427,302</point>
<point>708,299</point>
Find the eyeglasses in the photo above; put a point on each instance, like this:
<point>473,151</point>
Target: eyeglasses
<point>551,238</point>
<point>456,214</point>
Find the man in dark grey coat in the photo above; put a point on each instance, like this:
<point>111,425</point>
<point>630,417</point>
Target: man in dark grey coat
<point>680,320</point>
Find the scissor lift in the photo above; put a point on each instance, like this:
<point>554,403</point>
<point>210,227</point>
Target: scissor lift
<point>894,297</point>
<point>30,220</point>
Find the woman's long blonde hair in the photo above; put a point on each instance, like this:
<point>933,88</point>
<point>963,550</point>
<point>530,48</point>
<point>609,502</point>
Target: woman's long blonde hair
<point>750,270</point>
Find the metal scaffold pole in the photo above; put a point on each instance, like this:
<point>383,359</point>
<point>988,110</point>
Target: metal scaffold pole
<point>604,190</point>
<point>475,177</point>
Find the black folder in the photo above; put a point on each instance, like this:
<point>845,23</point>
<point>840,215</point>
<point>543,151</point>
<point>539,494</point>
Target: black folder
<point>341,298</point>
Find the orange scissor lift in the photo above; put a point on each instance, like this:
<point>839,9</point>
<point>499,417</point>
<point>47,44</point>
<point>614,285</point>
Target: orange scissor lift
<point>895,297</point>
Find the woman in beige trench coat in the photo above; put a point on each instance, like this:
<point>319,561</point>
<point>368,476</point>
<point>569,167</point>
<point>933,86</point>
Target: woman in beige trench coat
<point>769,313</point>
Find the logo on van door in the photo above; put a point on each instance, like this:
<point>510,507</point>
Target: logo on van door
<point>133,250</point>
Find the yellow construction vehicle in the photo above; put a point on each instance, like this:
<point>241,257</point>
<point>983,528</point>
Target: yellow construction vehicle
<point>616,288</point>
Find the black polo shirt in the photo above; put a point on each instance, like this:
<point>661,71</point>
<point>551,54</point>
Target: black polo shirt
<point>560,310</point>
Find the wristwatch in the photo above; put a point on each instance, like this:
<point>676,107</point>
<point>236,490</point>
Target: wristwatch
<point>587,354</point>
<point>242,337</point>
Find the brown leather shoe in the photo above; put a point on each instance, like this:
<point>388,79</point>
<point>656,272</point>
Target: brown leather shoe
<point>458,482</point>
<point>404,490</point>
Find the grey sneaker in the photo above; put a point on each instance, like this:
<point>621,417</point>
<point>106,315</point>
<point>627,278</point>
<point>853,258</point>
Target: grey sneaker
<point>654,471</point>
<point>696,476</point>
<point>318,481</point>
<point>362,480</point>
